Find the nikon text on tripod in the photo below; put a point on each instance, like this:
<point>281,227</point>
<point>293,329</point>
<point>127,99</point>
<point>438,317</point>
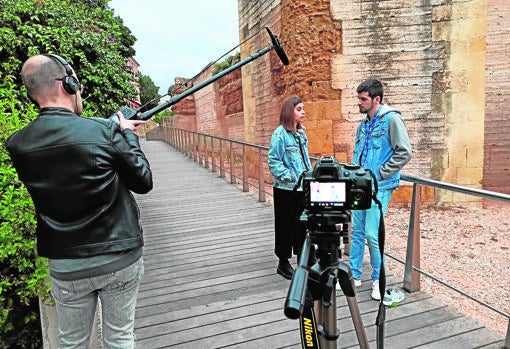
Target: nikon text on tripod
<point>333,186</point>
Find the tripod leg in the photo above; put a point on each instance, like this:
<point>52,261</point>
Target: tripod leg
<point>347,284</point>
<point>330,332</point>
<point>326,313</point>
<point>357,322</point>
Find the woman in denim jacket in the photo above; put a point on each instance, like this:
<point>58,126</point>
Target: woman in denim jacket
<point>288,159</point>
<point>381,145</point>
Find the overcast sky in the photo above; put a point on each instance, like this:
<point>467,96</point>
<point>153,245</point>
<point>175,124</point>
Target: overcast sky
<point>178,38</point>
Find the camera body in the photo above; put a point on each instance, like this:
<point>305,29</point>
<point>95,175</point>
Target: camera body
<point>333,186</point>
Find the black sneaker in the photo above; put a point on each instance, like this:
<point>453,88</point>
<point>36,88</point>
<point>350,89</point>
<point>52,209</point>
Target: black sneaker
<point>285,269</point>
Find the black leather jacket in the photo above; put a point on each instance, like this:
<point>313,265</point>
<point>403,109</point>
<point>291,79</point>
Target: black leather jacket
<point>80,173</point>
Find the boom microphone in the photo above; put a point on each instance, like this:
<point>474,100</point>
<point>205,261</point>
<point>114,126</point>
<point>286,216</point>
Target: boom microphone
<point>130,113</point>
<point>278,48</point>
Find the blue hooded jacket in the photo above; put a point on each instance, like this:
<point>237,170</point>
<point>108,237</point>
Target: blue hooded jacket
<point>383,147</point>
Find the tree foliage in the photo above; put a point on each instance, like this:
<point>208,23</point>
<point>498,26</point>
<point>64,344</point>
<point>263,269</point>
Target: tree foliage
<point>148,91</point>
<point>227,63</point>
<point>96,43</point>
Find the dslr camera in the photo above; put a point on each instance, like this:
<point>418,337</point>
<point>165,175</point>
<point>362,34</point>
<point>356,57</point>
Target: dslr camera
<point>334,187</point>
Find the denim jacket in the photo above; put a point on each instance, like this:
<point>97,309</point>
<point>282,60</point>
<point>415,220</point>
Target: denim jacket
<point>386,144</point>
<point>286,160</point>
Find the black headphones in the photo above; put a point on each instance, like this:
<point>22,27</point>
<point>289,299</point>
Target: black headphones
<point>70,83</point>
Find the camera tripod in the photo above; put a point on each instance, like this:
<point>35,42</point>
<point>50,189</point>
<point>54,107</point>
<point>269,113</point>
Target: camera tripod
<point>317,283</point>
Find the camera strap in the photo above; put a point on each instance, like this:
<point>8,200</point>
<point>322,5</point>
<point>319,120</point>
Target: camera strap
<point>381,314</point>
<point>298,138</point>
<point>300,179</point>
<point>308,328</point>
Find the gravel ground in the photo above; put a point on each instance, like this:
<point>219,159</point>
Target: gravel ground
<point>468,248</point>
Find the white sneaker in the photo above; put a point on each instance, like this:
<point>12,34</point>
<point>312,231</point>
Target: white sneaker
<point>375,291</point>
<point>357,283</point>
<point>392,296</point>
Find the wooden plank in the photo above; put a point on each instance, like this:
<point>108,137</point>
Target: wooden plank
<point>460,332</point>
<point>268,328</point>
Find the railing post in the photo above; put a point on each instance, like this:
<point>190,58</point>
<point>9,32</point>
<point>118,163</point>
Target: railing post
<point>262,189</point>
<point>196,146</point>
<point>177,136</point>
<point>507,339</point>
<point>206,153</point>
<point>184,141</point>
<point>213,157</point>
<point>411,276</point>
<point>172,139</point>
<point>189,144</point>
<point>222,169</point>
<point>201,152</point>
<point>245,171</point>
<point>232,176</point>
<point>166,134</point>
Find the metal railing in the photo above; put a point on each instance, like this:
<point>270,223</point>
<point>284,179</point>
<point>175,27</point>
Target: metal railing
<point>229,157</point>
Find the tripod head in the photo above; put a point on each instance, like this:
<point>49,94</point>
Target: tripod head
<point>325,231</point>
<point>130,113</point>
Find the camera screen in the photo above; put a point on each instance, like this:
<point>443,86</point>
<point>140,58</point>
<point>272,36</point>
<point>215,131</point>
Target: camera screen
<point>327,193</point>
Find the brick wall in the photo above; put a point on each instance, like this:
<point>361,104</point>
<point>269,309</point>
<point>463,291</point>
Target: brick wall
<point>215,109</point>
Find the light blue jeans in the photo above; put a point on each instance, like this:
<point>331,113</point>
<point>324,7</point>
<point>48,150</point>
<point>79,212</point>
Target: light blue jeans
<point>365,226</point>
<point>76,303</point>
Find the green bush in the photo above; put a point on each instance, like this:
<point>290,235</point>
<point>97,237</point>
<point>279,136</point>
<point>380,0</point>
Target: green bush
<point>227,63</point>
<point>96,43</point>
<point>23,275</point>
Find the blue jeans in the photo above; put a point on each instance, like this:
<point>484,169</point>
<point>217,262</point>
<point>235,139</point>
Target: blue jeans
<point>365,225</point>
<point>76,303</point>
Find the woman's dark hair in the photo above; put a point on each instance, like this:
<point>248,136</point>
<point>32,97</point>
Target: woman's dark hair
<point>373,87</point>
<point>287,113</point>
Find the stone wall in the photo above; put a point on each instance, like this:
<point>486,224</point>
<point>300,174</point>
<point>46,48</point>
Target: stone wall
<point>428,55</point>
<point>444,64</point>
<point>260,100</point>
<point>392,42</point>
<point>497,98</point>
<point>185,110</point>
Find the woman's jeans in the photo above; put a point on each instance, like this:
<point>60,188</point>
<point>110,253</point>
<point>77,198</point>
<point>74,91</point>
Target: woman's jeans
<point>76,305</point>
<point>365,225</point>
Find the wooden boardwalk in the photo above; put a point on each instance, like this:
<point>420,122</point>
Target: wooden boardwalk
<point>210,278</point>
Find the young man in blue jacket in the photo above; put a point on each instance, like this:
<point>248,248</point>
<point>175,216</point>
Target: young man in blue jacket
<point>381,145</point>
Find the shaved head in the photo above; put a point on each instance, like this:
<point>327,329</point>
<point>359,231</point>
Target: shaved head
<point>38,74</point>
<point>43,78</point>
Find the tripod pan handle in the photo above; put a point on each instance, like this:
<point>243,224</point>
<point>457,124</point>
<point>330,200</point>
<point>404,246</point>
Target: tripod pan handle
<point>296,295</point>
<point>295,301</point>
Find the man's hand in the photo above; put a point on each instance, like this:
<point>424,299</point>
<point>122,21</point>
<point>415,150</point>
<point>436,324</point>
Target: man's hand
<point>131,124</point>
